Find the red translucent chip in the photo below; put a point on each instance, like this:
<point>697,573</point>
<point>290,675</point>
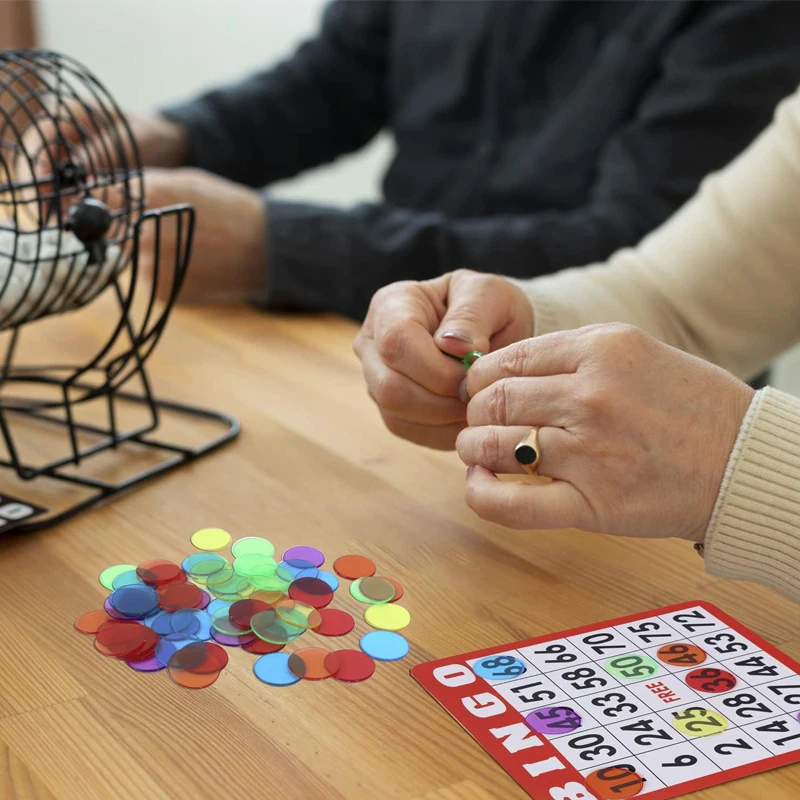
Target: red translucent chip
<point>312,591</point>
<point>335,622</point>
<point>216,659</point>
<point>90,622</point>
<point>158,572</point>
<point>126,640</point>
<point>175,596</point>
<point>350,666</point>
<point>260,648</point>
<point>189,657</point>
<point>243,611</point>
<point>398,589</point>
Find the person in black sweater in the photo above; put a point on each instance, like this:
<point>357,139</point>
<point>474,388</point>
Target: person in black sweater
<point>531,136</point>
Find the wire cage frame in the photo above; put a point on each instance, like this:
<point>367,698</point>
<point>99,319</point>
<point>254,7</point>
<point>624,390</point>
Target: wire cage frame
<point>74,225</point>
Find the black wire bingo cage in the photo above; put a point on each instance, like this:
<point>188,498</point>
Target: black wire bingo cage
<point>72,222</point>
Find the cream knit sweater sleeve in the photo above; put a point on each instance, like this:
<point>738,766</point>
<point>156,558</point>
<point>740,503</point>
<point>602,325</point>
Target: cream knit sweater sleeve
<point>721,279</point>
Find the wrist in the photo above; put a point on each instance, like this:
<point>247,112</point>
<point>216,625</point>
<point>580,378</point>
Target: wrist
<point>173,144</point>
<point>253,251</point>
<point>741,403</point>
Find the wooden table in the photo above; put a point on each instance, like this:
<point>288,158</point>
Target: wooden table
<point>313,465</point>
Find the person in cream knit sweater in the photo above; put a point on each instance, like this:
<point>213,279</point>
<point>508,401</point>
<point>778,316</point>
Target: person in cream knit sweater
<point>633,372</point>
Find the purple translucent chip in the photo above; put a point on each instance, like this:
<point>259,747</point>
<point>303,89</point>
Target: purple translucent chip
<point>232,641</point>
<point>112,612</point>
<point>151,664</point>
<point>302,552</point>
<point>206,599</point>
<point>554,721</point>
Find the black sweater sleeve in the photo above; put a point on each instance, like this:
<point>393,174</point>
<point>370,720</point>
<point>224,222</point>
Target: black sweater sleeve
<point>326,100</point>
<point>718,83</point>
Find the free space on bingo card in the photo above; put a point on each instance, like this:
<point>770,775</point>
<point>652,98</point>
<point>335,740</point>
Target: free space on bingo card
<point>656,705</point>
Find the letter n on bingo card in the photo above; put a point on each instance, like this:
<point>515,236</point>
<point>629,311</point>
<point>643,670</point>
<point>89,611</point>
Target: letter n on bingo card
<point>659,705</point>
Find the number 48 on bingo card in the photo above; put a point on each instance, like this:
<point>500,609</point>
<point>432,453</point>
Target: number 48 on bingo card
<point>656,705</point>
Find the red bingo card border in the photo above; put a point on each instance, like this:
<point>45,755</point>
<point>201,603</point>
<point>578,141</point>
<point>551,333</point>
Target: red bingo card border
<point>547,768</point>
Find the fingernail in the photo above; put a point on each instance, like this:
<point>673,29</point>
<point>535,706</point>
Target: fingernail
<point>470,470</point>
<point>462,337</point>
<point>463,392</point>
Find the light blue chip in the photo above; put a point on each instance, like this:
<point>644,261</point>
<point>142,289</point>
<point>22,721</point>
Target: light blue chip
<point>501,667</point>
<point>329,578</point>
<point>384,645</point>
<point>216,605</point>
<point>273,669</point>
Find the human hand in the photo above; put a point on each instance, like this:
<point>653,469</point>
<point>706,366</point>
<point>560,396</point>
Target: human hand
<point>95,144</point>
<point>229,253</point>
<point>409,327</point>
<point>636,435</point>
<point>96,137</point>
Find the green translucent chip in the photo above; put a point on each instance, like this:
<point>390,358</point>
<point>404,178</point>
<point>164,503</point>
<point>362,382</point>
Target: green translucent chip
<point>221,621</point>
<point>267,625</point>
<point>270,583</point>
<point>252,545</point>
<point>255,564</point>
<point>235,588</point>
<point>201,566</point>
<point>107,576</point>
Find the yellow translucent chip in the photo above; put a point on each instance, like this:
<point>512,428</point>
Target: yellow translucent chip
<point>699,722</point>
<point>390,617</point>
<point>211,539</point>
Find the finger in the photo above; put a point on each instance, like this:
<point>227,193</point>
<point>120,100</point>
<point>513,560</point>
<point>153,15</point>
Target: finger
<point>526,506</point>
<point>525,401</point>
<point>399,396</point>
<point>404,318</point>
<point>437,437</point>
<point>483,313</point>
<point>553,354</point>
<point>492,447</point>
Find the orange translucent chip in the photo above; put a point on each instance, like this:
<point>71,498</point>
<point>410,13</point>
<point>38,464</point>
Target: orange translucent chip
<point>91,621</point>
<point>309,663</point>
<point>352,567</point>
<point>193,680</point>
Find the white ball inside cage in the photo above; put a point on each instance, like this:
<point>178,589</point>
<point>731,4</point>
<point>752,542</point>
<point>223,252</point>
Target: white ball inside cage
<point>63,141</point>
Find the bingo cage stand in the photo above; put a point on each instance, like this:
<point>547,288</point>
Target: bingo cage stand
<point>72,215</point>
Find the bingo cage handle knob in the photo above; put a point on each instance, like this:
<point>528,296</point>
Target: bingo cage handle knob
<point>89,220</point>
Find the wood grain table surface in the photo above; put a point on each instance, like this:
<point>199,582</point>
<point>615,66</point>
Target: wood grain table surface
<point>313,465</point>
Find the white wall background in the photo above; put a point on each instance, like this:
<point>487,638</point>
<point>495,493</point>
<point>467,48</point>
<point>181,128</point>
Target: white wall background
<point>149,52</point>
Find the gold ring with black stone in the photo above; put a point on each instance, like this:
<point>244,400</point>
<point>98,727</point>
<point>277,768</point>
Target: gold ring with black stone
<point>527,452</point>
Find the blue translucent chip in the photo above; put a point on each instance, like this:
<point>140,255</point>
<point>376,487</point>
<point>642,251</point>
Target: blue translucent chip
<point>164,651</point>
<point>273,669</point>
<point>183,621</point>
<point>162,623</point>
<point>135,601</point>
<point>384,645</point>
<point>216,605</point>
<point>499,667</point>
<point>194,623</point>
<point>329,578</point>
<point>296,568</point>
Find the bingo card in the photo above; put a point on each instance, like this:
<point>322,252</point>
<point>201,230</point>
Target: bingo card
<point>654,705</point>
